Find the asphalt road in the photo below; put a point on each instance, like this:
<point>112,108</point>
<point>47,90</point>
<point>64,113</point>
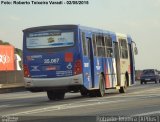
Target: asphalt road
<point>140,103</point>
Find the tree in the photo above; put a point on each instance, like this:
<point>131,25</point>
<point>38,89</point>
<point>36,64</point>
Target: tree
<point>18,51</point>
<point>4,43</point>
<point>1,42</point>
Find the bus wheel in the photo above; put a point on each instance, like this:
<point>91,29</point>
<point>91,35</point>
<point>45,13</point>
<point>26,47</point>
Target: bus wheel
<point>93,93</point>
<point>84,92</point>
<point>51,95</point>
<point>123,89</point>
<point>60,95</point>
<point>101,90</point>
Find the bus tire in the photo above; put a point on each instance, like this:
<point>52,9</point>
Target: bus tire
<point>101,90</point>
<point>60,95</point>
<point>123,89</point>
<point>51,95</point>
<point>84,92</point>
<point>92,93</point>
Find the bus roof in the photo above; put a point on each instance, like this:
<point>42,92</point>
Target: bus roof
<point>50,27</point>
<point>66,26</point>
<point>74,26</point>
<point>69,26</point>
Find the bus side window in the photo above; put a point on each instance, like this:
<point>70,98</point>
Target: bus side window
<point>123,48</point>
<point>108,44</point>
<point>94,44</point>
<point>84,43</point>
<point>100,45</point>
<point>89,48</point>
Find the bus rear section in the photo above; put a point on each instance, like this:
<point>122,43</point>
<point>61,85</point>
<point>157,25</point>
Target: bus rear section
<point>52,60</point>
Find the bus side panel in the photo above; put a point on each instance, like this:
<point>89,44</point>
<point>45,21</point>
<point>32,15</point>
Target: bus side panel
<point>106,66</point>
<point>132,63</point>
<point>110,73</point>
<point>87,81</point>
<point>114,75</point>
<point>125,64</point>
<point>98,69</point>
<point>86,61</point>
<point>113,72</point>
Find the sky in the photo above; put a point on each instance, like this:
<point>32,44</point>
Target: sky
<point>139,18</point>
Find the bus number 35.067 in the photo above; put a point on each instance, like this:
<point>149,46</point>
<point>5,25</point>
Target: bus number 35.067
<point>51,61</point>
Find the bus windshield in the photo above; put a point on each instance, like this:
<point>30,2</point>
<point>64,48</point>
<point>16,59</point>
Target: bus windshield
<point>49,39</point>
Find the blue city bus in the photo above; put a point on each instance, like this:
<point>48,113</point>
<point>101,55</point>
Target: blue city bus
<point>73,58</point>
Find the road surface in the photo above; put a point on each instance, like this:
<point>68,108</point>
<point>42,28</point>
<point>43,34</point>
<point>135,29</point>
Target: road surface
<point>140,103</point>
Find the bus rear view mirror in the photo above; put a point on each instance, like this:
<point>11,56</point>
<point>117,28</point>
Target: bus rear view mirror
<point>135,51</point>
<point>135,48</point>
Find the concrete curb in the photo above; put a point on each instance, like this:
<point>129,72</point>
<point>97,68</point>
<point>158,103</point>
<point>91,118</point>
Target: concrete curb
<point>13,85</point>
<point>7,88</point>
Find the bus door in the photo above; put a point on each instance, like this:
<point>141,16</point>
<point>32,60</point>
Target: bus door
<point>123,63</point>
<point>117,59</point>
<point>88,64</point>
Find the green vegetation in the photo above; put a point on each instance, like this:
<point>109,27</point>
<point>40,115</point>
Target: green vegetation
<point>4,43</point>
<point>19,52</point>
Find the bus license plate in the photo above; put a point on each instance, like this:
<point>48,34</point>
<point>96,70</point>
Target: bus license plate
<point>48,68</point>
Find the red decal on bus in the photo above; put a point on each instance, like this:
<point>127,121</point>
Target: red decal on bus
<point>68,57</point>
